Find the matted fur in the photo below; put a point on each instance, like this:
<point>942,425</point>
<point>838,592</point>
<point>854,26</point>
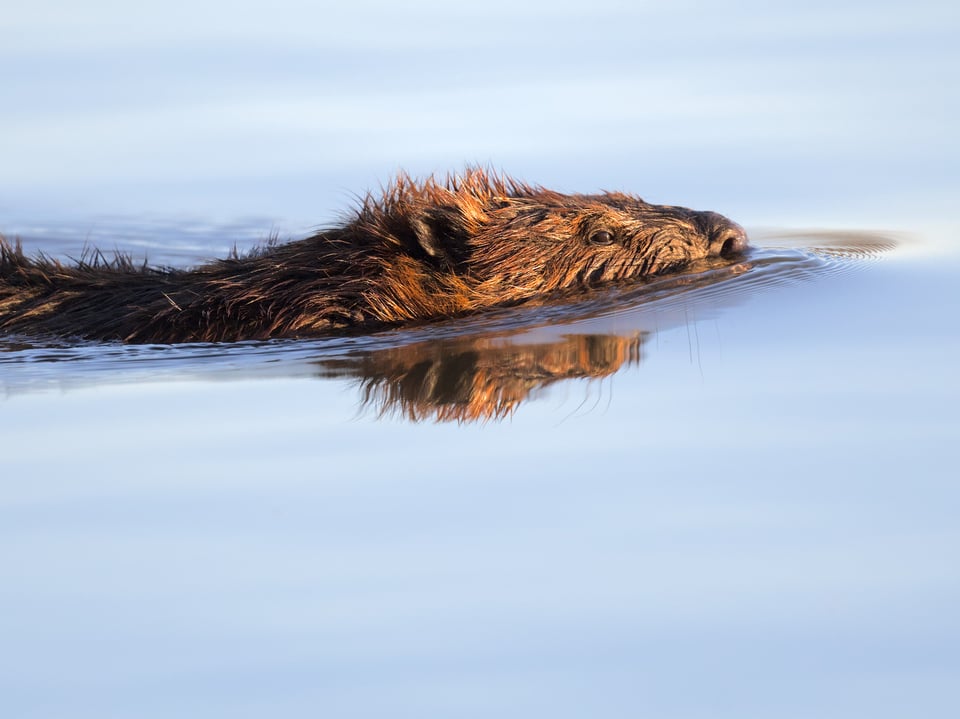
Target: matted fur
<point>421,250</point>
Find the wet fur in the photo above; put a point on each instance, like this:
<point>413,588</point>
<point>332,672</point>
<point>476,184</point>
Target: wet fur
<point>422,250</point>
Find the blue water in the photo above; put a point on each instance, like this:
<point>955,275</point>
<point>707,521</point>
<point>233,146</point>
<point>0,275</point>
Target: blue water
<point>733,496</point>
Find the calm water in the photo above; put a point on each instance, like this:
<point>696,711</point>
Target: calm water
<point>732,493</point>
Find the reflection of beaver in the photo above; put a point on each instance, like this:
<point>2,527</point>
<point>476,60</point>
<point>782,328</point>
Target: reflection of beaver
<point>477,378</point>
<point>425,250</point>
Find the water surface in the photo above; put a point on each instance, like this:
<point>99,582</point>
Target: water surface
<point>727,494</point>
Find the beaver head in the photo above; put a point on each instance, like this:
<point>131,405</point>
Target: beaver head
<point>490,240</point>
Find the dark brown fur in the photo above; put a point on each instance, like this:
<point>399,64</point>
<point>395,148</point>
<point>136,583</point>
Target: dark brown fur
<point>424,250</point>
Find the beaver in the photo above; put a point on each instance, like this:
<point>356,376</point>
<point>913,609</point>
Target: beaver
<point>422,250</point>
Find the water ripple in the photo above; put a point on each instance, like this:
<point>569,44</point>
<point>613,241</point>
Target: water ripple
<point>622,313</point>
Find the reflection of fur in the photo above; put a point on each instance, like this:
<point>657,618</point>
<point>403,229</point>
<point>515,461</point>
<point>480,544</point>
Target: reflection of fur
<point>477,378</point>
<point>425,250</point>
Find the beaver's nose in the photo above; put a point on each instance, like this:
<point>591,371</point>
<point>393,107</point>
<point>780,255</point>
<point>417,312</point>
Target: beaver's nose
<point>726,238</point>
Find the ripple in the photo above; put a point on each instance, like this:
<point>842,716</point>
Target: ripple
<point>778,259</point>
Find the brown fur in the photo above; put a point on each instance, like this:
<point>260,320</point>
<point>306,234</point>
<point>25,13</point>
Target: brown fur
<point>477,378</point>
<point>422,251</point>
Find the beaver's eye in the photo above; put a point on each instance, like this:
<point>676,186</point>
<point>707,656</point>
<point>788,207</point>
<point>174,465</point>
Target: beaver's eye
<point>601,237</point>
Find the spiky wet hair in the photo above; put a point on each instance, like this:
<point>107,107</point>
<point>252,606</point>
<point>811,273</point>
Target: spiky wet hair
<point>420,250</point>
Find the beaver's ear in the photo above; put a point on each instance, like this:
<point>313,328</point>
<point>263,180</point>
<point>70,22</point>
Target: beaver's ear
<point>429,236</point>
<point>440,234</point>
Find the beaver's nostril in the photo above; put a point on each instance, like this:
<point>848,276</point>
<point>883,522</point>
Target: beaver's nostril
<point>733,246</point>
<point>725,238</point>
<point>729,241</point>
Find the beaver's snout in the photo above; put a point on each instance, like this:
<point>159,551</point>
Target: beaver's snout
<point>727,238</point>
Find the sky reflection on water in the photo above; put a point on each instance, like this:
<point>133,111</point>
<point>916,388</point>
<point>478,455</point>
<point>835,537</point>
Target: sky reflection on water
<point>761,528</point>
